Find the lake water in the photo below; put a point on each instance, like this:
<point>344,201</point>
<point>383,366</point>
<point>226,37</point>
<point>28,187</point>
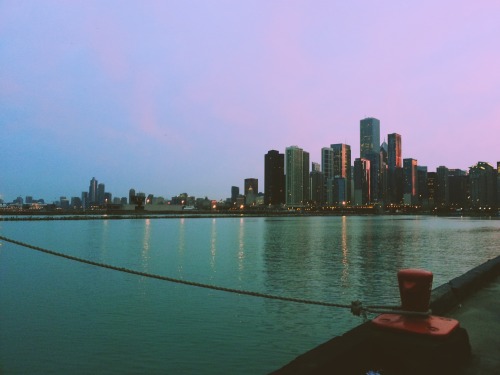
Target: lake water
<point>60,316</point>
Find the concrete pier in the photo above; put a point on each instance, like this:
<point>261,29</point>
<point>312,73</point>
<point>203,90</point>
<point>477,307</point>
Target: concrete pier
<point>473,299</point>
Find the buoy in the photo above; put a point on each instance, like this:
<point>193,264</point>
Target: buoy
<point>415,287</point>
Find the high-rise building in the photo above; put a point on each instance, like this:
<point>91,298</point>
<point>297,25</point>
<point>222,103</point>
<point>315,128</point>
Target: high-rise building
<point>76,203</point>
<point>431,187</point>
<point>383,174</point>
<point>317,185</point>
<point>394,169</point>
<point>341,173</point>
<point>498,184</point>
<point>235,191</point>
<point>423,193</point>
<point>85,200</point>
<point>305,178</point>
<point>370,149</point>
<point>100,194</point>
<point>93,191</point>
<point>369,136</point>
<point>251,190</point>
<point>458,182</point>
<point>274,178</point>
<point>327,169</point>
<point>297,176</point>
<point>410,181</point>
<point>394,151</point>
<point>483,189</point>
<point>441,188</point>
<point>362,177</point>
<point>132,198</point>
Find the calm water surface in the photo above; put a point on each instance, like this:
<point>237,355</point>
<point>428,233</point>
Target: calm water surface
<point>59,316</point>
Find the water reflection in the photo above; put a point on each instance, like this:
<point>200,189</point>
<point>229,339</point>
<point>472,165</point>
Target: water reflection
<point>213,245</point>
<point>241,247</point>
<point>182,245</point>
<point>345,253</point>
<point>146,240</point>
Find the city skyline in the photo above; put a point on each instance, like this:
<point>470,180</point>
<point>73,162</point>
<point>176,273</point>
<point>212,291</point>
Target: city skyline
<point>171,97</point>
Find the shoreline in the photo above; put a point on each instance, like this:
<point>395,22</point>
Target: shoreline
<point>121,215</point>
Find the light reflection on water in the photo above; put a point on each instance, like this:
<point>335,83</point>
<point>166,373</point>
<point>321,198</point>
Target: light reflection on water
<point>59,316</point>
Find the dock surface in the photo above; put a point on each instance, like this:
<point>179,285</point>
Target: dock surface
<point>479,314</point>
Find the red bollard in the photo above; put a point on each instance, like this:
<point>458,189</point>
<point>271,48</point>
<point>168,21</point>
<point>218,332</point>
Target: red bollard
<point>415,289</point>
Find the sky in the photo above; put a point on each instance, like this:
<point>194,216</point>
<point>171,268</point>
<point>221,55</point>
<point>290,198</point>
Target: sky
<point>188,96</point>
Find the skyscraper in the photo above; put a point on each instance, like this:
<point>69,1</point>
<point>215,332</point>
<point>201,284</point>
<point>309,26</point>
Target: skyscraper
<point>93,191</point>
<point>235,191</point>
<point>132,198</point>
<point>274,178</point>
<point>341,173</point>
<point>362,177</point>
<point>441,188</point>
<point>369,136</point>
<point>370,150</point>
<point>394,152</point>
<point>296,169</point>
<point>483,189</point>
<point>100,194</point>
<point>395,169</point>
<point>317,185</point>
<point>251,190</point>
<point>410,181</point>
<point>327,169</point>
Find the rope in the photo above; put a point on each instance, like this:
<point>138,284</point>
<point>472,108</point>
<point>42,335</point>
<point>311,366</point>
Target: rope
<point>355,307</point>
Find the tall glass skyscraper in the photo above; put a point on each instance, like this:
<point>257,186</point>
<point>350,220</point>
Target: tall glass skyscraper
<point>342,172</point>
<point>369,139</point>
<point>394,158</point>
<point>93,191</point>
<point>327,169</point>
<point>297,176</point>
<point>395,168</point>
<point>369,136</point>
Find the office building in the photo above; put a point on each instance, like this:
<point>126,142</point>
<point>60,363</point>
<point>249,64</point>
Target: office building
<point>483,186</point>
<point>422,191</point>
<point>458,181</point>
<point>410,187</point>
<point>274,178</point>
<point>93,192</point>
<point>362,177</point>
<point>132,198</point>
<point>251,191</point>
<point>235,192</point>
<point>369,136</point>
<point>341,173</point>
<point>317,186</point>
<point>441,188</point>
<point>394,151</point>
<point>296,176</point>
<point>100,194</point>
<point>370,150</point>
<point>394,169</point>
<point>327,169</point>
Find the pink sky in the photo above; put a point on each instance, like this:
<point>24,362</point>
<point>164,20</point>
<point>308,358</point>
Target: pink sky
<point>187,96</point>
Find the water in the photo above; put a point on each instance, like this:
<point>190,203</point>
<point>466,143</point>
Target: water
<point>59,316</point>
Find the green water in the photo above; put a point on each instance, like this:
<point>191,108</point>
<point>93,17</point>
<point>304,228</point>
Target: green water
<point>62,317</point>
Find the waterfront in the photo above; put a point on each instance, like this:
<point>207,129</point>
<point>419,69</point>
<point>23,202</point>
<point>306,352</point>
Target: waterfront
<point>58,316</point>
